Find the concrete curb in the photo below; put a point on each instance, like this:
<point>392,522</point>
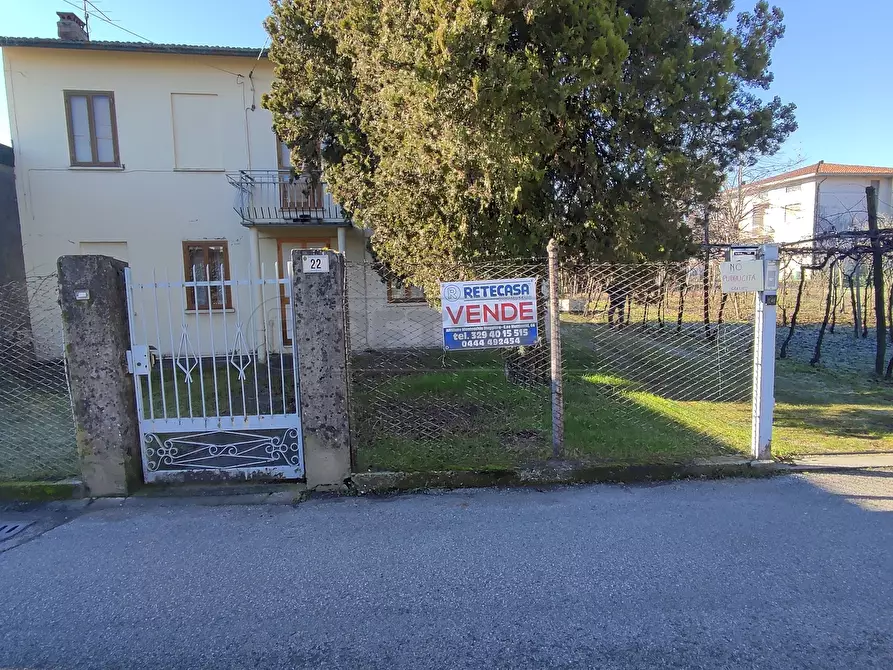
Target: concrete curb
<point>41,491</point>
<point>549,474</point>
<point>562,473</point>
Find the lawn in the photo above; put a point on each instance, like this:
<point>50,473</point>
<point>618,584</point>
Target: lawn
<point>633,395</point>
<point>37,440</point>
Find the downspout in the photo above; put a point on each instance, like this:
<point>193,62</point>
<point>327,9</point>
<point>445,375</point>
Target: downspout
<point>254,236</point>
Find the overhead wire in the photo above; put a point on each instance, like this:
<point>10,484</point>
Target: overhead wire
<point>105,19</point>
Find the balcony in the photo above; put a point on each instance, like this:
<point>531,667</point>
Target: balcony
<point>271,197</point>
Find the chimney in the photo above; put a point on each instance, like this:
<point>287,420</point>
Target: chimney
<point>71,27</point>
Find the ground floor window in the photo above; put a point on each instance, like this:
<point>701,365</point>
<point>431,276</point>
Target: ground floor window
<point>208,259</point>
<point>405,292</point>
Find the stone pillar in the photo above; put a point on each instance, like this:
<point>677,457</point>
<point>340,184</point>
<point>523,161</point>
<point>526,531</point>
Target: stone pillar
<point>92,294</point>
<point>321,345</point>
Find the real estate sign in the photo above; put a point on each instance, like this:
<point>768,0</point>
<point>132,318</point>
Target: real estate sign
<point>488,314</point>
<point>742,276</point>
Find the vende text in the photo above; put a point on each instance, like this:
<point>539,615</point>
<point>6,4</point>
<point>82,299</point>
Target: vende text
<point>488,313</point>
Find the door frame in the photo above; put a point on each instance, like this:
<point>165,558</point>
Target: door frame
<point>283,264</point>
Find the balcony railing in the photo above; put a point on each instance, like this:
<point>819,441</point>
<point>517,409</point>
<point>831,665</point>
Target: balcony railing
<point>278,196</point>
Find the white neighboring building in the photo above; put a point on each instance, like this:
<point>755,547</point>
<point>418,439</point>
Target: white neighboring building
<point>813,200</point>
<point>162,156</point>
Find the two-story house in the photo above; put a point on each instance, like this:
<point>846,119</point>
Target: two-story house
<point>162,156</point>
<point>810,201</point>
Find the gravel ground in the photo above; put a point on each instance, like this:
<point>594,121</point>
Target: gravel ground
<point>841,351</point>
<point>787,572</point>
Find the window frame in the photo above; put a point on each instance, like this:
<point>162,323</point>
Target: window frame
<point>213,306</point>
<point>406,297</point>
<point>91,126</point>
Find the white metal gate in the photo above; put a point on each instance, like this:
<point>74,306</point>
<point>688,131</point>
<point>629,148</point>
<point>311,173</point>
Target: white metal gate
<point>216,384</point>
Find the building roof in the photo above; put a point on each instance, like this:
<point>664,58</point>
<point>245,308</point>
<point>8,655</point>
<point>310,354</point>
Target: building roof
<point>828,169</point>
<point>141,47</point>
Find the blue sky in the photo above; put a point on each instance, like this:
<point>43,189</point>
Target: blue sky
<point>832,63</point>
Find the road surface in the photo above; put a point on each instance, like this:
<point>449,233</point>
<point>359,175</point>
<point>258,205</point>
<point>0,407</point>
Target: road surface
<point>794,571</point>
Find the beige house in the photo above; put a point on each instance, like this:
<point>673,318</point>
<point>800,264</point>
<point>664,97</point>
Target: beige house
<point>162,156</point>
<point>810,201</point>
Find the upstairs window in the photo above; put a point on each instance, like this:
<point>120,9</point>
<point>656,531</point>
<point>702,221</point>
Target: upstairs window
<point>92,128</point>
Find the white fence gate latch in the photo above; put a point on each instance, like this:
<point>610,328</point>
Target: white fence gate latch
<point>138,360</point>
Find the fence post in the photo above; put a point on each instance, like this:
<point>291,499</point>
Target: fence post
<point>555,353</point>
<point>320,343</point>
<point>763,404</point>
<point>92,295</point>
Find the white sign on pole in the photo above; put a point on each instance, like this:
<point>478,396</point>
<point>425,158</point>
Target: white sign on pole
<point>742,276</point>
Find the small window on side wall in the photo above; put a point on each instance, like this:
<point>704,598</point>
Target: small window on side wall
<point>92,129</point>
<point>206,263</point>
<point>405,293</point>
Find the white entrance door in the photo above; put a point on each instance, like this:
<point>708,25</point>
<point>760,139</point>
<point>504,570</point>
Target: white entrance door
<point>285,249</point>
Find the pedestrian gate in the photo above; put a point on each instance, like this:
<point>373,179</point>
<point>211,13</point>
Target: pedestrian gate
<point>216,380</point>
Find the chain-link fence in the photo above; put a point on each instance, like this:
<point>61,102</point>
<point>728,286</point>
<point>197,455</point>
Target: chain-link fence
<point>37,439</point>
<point>647,378</point>
<point>827,315</point>
<point>415,406</point>
<point>657,362</point>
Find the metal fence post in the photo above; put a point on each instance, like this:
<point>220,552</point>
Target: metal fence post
<point>764,356</point>
<point>555,353</point>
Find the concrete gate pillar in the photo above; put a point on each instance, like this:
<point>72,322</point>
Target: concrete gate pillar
<point>320,341</point>
<point>93,298</point>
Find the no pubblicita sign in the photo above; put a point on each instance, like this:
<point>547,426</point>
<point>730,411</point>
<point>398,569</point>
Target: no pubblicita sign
<point>742,276</point>
<point>488,314</point>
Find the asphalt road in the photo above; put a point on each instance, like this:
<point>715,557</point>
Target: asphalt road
<point>786,573</point>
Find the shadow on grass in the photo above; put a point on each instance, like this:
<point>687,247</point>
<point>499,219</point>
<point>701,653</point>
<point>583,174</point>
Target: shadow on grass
<point>37,440</point>
<point>800,384</point>
<point>682,366</point>
<point>473,418</point>
<point>857,422</point>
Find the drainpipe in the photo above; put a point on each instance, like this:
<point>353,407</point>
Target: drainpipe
<point>342,240</point>
<point>260,317</point>
<point>253,234</point>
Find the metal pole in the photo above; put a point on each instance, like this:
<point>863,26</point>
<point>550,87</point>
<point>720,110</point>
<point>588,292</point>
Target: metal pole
<point>764,357</point>
<point>555,354</point>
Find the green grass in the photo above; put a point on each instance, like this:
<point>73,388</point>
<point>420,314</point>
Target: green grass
<point>217,391</point>
<point>37,440</point>
<point>632,396</point>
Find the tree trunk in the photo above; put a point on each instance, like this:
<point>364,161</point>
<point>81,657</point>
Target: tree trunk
<point>706,290</point>
<point>783,353</point>
<point>681,311</point>
<point>720,316</point>
<point>865,305</point>
<point>890,310</point>
<point>854,302</point>
<point>838,298</point>
<point>817,354</point>
<point>877,271</point>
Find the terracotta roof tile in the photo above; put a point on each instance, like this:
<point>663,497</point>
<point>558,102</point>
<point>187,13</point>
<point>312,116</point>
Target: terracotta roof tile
<point>826,169</point>
<point>145,47</point>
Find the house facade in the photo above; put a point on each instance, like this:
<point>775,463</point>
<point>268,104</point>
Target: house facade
<point>162,156</point>
<point>814,200</point>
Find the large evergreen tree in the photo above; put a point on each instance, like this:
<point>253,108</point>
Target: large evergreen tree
<point>467,129</point>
